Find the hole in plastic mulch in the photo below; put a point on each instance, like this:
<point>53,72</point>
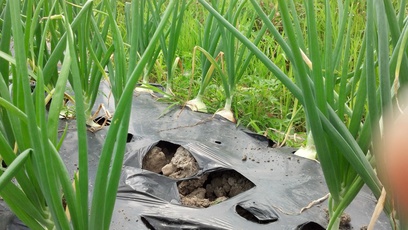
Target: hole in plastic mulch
<point>256,212</point>
<point>251,217</point>
<point>129,138</point>
<point>158,221</point>
<point>209,189</point>
<point>271,143</point>
<point>310,226</point>
<point>212,188</point>
<point>170,160</point>
<point>102,121</point>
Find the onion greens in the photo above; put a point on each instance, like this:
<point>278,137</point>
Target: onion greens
<point>334,104</point>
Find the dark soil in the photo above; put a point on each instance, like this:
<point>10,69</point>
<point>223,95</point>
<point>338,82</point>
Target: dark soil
<point>213,188</point>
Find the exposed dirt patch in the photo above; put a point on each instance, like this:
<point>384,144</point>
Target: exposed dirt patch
<point>345,220</point>
<point>173,162</point>
<point>182,165</point>
<point>209,189</point>
<point>155,159</point>
<point>213,188</point>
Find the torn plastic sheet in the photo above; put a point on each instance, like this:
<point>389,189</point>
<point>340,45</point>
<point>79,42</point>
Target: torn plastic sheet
<point>284,184</point>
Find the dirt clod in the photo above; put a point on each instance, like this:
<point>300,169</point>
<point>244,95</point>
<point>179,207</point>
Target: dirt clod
<point>182,165</point>
<point>178,164</point>
<point>345,220</point>
<point>188,186</point>
<point>212,188</point>
<point>154,160</point>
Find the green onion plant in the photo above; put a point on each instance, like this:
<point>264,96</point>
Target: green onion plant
<point>93,52</point>
<point>29,135</point>
<point>169,43</point>
<point>237,57</point>
<point>94,55</point>
<point>227,56</point>
<point>209,48</point>
<point>143,19</point>
<point>344,99</point>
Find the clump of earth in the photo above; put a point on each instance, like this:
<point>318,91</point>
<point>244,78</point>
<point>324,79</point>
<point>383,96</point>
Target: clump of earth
<point>204,191</point>
<point>180,164</point>
<point>345,220</point>
<point>212,188</point>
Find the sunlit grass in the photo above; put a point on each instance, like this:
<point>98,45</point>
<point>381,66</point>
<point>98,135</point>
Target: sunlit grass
<point>273,120</point>
<point>248,112</point>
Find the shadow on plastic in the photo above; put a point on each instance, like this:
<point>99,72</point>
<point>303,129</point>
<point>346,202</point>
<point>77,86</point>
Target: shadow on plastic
<point>310,226</point>
<point>162,222</point>
<point>256,213</point>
